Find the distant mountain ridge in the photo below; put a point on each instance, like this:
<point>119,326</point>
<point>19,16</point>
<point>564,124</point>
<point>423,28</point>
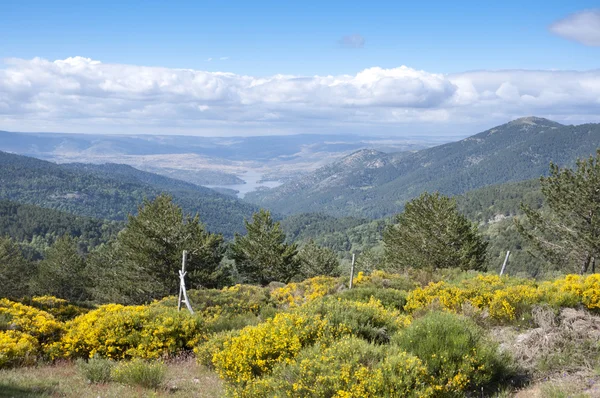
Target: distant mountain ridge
<point>112,191</point>
<point>373,184</point>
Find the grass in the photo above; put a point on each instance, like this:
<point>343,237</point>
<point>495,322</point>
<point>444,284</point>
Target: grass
<point>183,379</point>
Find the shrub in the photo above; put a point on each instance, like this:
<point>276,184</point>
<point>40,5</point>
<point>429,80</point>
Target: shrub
<point>96,369</point>
<point>140,373</point>
<point>207,350</point>
<point>234,300</point>
<point>257,349</point>
<point>224,323</point>
<point>350,367</point>
<point>59,308</point>
<point>370,321</point>
<point>17,348</point>
<point>454,350</point>
<point>389,298</point>
<point>296,294</point>
<point>117,331</point>
<point>381,279</point>
<point>506,299</point>
<point>38,324</point>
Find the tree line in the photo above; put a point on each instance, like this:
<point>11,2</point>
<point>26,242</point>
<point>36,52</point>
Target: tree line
<point>141,263</point>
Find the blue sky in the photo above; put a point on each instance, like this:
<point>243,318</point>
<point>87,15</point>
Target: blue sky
<point>269,37</point>
<point>308,38</point>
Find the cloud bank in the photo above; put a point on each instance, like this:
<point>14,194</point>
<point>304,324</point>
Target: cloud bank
<point>583,27</point>
<point>83,95</point>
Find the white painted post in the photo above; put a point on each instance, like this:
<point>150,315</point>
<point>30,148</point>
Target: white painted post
<point>352,271</point>
<point>505,262</point>
<point>183,298</point>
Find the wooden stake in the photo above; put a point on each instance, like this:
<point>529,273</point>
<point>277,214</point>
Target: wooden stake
<point>183,298</point>
<point>352,271</point>
<point>505,262</point>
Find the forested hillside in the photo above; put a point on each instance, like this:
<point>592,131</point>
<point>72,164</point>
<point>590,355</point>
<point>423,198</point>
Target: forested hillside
<point>36,228</point>
<point>111,191</point>
<point>374,184</point>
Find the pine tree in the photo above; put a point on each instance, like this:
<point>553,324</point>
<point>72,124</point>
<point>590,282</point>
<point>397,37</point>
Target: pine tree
<point>567,231</point>
<point>62,272</point>
<point>431,233</point>
<point>147,253</point>
<point>262,256</point>
<point>15,270</point>
<point>316,261</point>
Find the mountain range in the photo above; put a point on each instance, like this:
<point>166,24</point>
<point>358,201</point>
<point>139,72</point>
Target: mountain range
<point>373,184</point>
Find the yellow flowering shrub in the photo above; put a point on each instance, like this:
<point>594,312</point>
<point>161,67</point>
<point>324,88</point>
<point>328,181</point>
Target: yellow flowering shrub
<point>234,300</point>
<point>591,292</point>
<point>349,367</point>
<point>39,324</point>
<point>257,349</point>
<point>504,298</point>
<point>61,309</point>
<point>117,331</point>
<point>296,294</point>
<point>385,280</point>
<point>17,348</point>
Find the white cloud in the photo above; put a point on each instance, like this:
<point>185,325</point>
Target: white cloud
<point>583,27</point>
<point>80,94</point>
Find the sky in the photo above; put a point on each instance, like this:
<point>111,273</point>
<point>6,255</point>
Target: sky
<point>253,68</point>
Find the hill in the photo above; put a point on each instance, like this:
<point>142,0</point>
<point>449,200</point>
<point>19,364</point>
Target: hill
<point>111,191</point>
<point>36,228</point>
<point>373,184</point>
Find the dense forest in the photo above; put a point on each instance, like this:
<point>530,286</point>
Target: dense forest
<point>111,191</point>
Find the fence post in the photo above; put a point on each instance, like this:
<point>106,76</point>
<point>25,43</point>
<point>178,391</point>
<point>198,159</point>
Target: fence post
<point>505,262</point>
<point>352,271</point>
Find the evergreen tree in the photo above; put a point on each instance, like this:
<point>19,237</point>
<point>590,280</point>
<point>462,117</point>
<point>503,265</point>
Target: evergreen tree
<point>316,261</point>
<point>15,270</point>
<point>262,256</point>
<point>567,232</point>
<point>431,233</point>
<point>150,249</point>
<point>62,272</point>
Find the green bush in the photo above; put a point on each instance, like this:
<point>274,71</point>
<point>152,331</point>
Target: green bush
<point>455,351</point>
<point>350,367</point>
<point>234,300</point>
<point>96,369</point>
<point>370,320</point>
<point>138,372</point>
<point>225,323</point>
<point>390,298</point>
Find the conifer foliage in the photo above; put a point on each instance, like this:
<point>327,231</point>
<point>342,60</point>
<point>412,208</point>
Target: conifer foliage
<point>431,233</point>
<point>150,248</point>
<point>262,256</point>
<point>567,232</point>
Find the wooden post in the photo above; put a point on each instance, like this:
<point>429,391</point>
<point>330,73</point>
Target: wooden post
<point>183,298</point>
<point>352,271</point>
<point>505,262</point>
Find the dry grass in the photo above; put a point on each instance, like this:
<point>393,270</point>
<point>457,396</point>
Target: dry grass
<point>184,379</point>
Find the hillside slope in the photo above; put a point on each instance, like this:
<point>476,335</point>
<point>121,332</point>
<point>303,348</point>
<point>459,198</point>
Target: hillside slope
<point>373,184</point>
<point>111,191</point>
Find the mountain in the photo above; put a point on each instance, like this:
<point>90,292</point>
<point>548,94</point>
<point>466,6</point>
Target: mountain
<point>373,184</point>
<point>111,191</point>
<point>239,163</point>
